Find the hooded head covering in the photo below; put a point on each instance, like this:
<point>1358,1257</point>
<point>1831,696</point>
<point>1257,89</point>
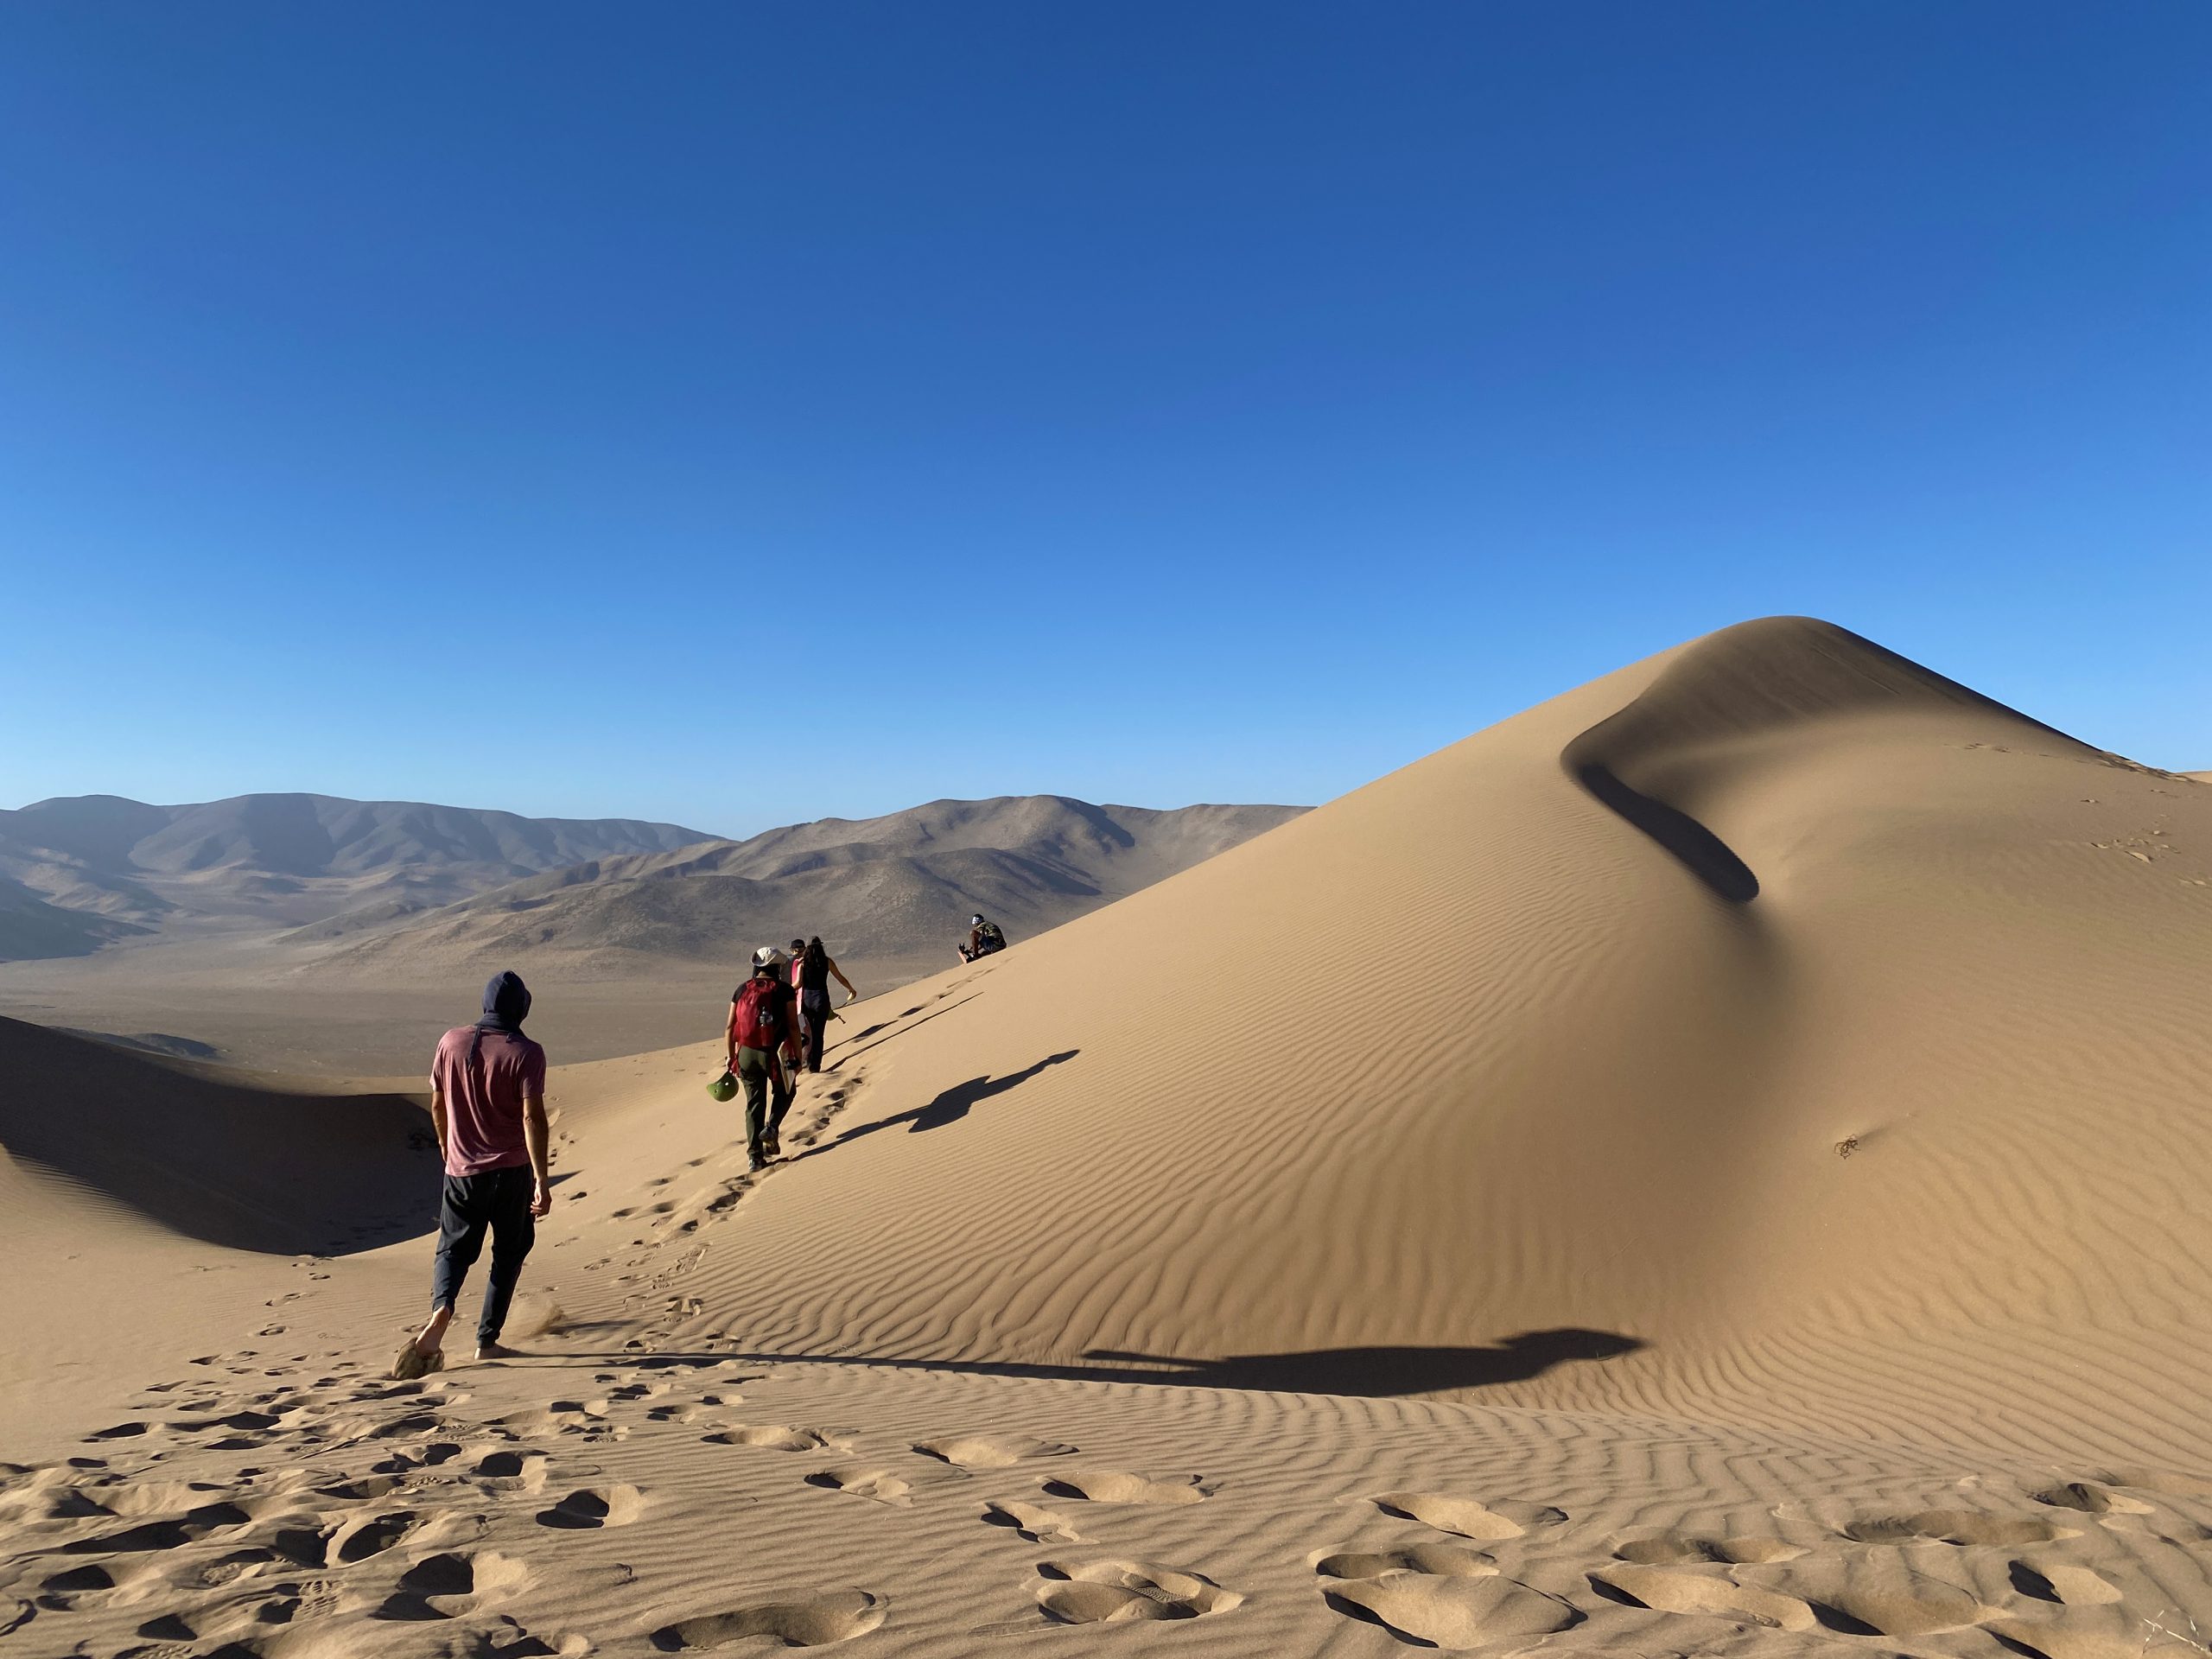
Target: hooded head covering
<point>507,1004</point>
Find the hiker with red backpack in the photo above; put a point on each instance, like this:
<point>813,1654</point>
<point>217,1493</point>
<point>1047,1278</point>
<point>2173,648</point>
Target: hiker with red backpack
<point>763,1050</point>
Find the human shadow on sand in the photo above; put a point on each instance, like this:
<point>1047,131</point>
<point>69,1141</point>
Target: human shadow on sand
<point>1384,1370</point>
<point>1374,1372</point>
<point>843,1049</point>
<point>950,1107</point>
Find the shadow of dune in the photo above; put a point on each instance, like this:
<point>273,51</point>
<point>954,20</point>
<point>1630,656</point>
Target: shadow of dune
<point>1374,1373</point>
<point>215,1157</point>
<point>1700,852</point>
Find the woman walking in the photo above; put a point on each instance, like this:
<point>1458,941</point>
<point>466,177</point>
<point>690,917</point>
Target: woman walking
<point>816,969</point>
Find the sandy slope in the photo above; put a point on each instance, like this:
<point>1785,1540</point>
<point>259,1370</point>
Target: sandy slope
<point>1763,1091</point>
<point>1469,1054</point>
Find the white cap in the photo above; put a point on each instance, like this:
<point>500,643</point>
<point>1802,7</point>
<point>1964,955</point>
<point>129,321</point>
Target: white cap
<point>766,956</point>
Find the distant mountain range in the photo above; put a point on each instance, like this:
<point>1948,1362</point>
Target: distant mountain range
<point>889,895</point>
<point>396,888</point>
<point>82,871</point>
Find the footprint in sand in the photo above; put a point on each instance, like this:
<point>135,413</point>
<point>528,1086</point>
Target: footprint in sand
<point>803,1622</point>
<point>779,1436</point>
<point>1452,1613</point>
<point>2073,1586</point>
<point>122,1432</point>
<point>59,1591</point>
<point>989,1451</point>
<point>1437,1561</point>
<point>1466,1517</point>
<point>2088,1499</point>
<point>508,1471</point>
<point>1896,1592</point>
<point>1961,1527</point>
<point>1687,1590</point>
<point>1113,1487</point>
<point>593,1507</point>
<point>189,1528</point>
<point>1113,1592</point>
<point>452,1584</point>
<point>1672,1548</point>
<point>2102,1633</point>
<point>862,1482</point>
<point>1039,1526</point>
<point>226,1569</point>
<point>356,1541</point>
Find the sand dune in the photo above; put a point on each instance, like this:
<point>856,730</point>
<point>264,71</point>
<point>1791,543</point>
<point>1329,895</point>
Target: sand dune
<point>248,1163</point>
<point>1757,1095</point>
<point>1847,1030</point>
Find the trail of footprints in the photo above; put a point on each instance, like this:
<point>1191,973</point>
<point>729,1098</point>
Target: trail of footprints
<point>357,1497</point>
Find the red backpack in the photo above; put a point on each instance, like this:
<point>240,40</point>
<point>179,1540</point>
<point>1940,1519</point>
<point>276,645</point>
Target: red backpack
<point>758,1020</point>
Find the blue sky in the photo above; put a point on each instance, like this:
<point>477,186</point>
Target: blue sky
<point>738,414</point>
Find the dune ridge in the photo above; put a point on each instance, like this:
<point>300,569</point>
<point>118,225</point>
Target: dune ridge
<point>1576,1087</point>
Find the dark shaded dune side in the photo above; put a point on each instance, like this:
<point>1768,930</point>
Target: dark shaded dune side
<point>228,1162</point>
<point>1777,672</point>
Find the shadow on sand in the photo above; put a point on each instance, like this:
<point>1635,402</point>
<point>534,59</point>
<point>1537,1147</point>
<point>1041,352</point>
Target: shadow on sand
<point>1372,1372</point>
<point>948,1107</point>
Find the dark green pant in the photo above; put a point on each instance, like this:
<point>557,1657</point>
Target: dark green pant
<point>767,1098</point>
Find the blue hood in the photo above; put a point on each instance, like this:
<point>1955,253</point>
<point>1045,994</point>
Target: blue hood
<point>507,1004</point>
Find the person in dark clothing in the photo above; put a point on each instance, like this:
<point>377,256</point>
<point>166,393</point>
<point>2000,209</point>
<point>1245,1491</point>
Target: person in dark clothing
<point>763,1047</point>
<point>984,938</point>
<point>811,972</point>
<point>487,1104</point>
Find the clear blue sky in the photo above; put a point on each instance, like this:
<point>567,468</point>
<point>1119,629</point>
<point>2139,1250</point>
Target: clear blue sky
<point>532,406</point>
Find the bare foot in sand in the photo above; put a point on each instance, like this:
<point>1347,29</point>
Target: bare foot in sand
<point>497,1351</point>
<point>424,1350</point>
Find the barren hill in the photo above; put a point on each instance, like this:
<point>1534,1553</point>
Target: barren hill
<point>890,894</point>
<point>266,860</point>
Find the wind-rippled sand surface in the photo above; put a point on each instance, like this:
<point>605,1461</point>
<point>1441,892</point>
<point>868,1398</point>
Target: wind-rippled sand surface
<point>1758,1101</point>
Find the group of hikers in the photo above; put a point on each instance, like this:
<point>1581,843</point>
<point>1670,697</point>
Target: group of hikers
<point>488,1106</point>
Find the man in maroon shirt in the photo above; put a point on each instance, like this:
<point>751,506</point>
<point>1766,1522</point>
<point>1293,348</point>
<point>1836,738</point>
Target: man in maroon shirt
<point>487,1103</point>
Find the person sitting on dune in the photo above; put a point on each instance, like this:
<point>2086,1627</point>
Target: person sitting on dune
<point>984,938</point>
<point>487,1104</point>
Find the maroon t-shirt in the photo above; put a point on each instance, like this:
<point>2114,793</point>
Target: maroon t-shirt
<point>484,1101</point>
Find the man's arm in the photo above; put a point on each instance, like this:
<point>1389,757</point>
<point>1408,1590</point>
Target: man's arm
<point>729,1059</point>
<point>535,1137</point>
<point>438,1116</point>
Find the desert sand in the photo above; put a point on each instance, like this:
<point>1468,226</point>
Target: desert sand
<point>1709,1164</point>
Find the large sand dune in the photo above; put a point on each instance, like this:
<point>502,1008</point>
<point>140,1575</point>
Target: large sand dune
<point>1761,1095</point>
<point>1832,1033</point>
